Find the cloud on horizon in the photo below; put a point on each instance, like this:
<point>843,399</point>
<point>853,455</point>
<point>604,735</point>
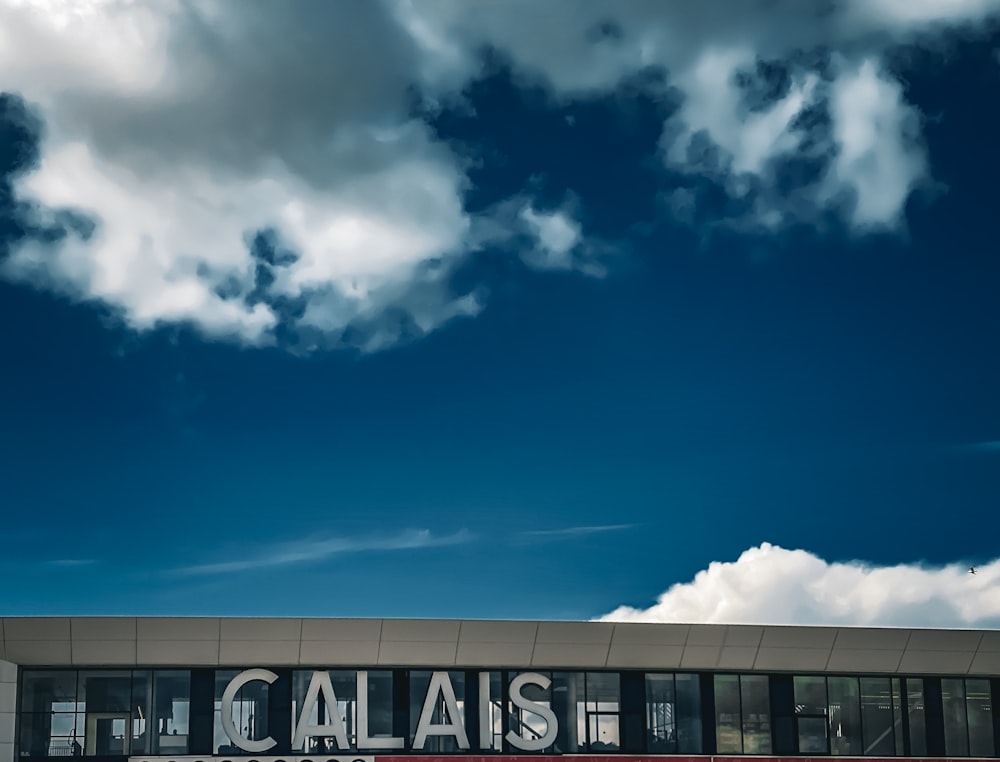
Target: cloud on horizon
<point>254,171</point>
<point>768,584</point>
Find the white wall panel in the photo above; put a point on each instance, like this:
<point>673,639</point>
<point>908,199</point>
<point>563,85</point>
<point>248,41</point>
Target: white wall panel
<point>178,628</point>
<point>342,629</point>
<point>335,653</point>
<point>570,655</point>
<point>178,653</point>
<point>632,656</point>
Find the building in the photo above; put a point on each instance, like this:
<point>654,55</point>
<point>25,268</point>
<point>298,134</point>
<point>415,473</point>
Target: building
<point>384,690</point>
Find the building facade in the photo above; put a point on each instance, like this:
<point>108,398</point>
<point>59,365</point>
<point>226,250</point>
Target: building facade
<point>372,690</point>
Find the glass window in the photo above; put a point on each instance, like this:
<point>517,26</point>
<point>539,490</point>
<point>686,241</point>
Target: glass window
<point>956,729</point>
<point>48,691</point>
<point>897,715</point>
<point>755,699</point>
<point>810,695</point>
<point>105,691</point>
<point>915,715</point>
<point>687,689</point>
<point>602,711</point>
<point>876,717</point>
<point>569,697</point>
<point>50,724</point>
<point>979,706</point>
<point>845,716</point>
<point>661,727</point>
<point>379,704</point>
<point>494,716</point>
<point>419,683</point>
<point>812,735</point>
<point>728,723</point>
<point>58,734</point>
<point>810,714</point>
<point>220,741</point>
<point>142,702</point>
<point>169,716</point>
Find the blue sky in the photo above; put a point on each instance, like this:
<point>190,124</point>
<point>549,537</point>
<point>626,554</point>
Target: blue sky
<point>396,310</point>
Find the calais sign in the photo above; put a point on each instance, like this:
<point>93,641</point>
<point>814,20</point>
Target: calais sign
<point>439,692</point>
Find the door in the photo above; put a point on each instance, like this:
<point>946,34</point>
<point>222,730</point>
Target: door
<point>108,734</point>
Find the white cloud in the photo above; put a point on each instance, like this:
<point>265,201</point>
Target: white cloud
<point>557,236</point>
<point>202,125</point>
<point>771,585</point>
<point>875,132</point>
<point>319,549</point>
<point>182,129</point>
<point>723,127</point>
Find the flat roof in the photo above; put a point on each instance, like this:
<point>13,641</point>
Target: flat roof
<point>445,643</point>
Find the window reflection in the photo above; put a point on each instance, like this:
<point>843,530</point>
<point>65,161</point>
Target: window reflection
<point>673,714</point>
<point>915,715</point>
<point>755,699</point>
<point>980,717</point>
<point>845,716</point>
<point>602,711</point>
<point>728,726</point>
<point>661,728</point>
<point>877,717</point>
<point>141,704</point>
<point>956,730</point>
<point>689,730</point>
<point>742,714</point>
<point>171,708</point>
<point>491,738</point>
<point>810,713</point>
<point>105,712</point>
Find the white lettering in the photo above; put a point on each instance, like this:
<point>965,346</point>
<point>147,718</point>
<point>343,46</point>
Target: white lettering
<point>485,718</point>
<point>239,740</point>
<point>551,724</point>
<point>320,681</point>
<point>440,687</point>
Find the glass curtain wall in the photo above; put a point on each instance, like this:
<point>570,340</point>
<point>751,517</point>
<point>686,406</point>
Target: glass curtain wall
<point>98,713</point>
<point>120,713</point>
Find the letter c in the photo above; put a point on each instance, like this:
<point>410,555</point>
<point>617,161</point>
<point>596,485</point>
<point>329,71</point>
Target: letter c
<point>239,740</point>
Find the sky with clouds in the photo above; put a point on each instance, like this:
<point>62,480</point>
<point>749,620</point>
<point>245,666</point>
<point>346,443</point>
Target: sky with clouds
<point>669,311</point>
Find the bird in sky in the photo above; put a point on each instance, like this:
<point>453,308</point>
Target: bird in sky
<point>972,570</point>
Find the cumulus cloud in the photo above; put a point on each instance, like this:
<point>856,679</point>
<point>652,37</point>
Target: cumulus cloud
<point>256,169</point>
<point>760,83</point>
<point>204,125</point>
<point>771,585</point>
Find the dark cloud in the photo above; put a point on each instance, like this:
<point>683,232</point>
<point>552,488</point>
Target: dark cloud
<point>20,136</point>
